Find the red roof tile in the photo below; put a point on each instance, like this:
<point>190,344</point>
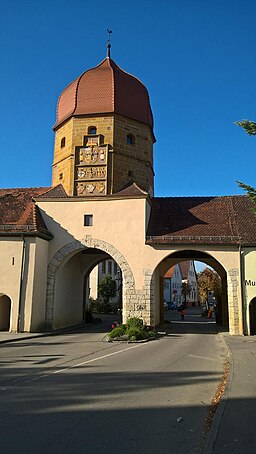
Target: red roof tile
<point>105,89</point>
<point>202,220</point>
<point>18,212</point>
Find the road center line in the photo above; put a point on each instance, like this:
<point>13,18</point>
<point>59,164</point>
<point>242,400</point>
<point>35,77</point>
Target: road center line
<point>98,358</point>
<point>82,364</point>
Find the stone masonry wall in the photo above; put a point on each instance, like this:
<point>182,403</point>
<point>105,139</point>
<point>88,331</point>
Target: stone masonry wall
<point>74,131</point>
<point>233,305</point>
<point>128,162</point>
<point>134,161</point>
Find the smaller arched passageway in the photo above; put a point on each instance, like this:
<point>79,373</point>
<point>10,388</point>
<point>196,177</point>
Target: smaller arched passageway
<point>5,312</point>
<point>176,284</point>
<point>252,315</point>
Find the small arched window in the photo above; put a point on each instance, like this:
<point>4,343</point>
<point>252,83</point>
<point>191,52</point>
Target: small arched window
<point>63,142</point>
<point>130,139</point>
<point>92,130</point>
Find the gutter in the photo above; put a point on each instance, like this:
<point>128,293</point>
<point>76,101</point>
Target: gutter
<point>21,280</point>
<point>243,296</point>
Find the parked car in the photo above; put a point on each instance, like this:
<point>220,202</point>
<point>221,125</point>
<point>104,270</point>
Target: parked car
<point>172,306</point>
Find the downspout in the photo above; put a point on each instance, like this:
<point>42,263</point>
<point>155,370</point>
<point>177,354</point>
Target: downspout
<point>244,302</point>
<point>21,280</point>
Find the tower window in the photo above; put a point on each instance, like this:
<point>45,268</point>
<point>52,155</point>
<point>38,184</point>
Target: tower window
<point>63,142</point>
<point>92,130</point>
<point>61,176</point>
<point>88,219</point>
<point>130,139</point>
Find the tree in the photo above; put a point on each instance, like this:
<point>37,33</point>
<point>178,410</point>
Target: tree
<point>250,129</point>
<point>251,191</point>
<point>107,289</point>
<point>209,281</point>
<point>248,126</point>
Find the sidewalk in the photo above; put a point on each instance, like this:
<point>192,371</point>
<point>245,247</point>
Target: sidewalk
<point>6,336</point>
<point>233,426</point>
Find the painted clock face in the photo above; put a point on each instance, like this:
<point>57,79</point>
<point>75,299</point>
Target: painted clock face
<point>81,173</point>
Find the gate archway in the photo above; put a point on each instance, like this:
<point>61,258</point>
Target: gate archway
<point>5,312</point>
<point>186,255</point>
<point>60,263</point>
<point>252,314</point>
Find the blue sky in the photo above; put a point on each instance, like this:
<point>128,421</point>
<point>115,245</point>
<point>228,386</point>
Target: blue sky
<point>197,59</point>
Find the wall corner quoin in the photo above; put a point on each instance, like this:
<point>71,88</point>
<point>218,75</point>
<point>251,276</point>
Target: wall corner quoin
<point>234,302</point>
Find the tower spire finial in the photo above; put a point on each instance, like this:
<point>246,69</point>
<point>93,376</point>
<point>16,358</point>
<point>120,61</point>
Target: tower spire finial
<point>108,45</point>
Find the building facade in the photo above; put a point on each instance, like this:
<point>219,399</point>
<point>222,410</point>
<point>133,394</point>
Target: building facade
<point>101,206</point>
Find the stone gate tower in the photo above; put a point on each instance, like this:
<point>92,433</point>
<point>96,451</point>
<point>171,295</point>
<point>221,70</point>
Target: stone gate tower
<point>103,133</point>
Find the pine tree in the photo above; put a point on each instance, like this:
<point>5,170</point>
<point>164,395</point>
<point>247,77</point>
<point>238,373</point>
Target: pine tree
<point>250,191</point>
<point>248,126</point>
<point>250,129</point>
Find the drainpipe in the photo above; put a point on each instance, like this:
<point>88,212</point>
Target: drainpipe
<point>244,302</point>
<point>21,280</point>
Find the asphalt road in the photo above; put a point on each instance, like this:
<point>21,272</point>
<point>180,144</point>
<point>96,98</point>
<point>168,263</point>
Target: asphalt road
<point>75,393</point>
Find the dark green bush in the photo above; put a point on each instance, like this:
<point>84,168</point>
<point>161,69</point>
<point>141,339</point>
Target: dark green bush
<point>117,332</point>
<point>134,330</point>
<point>134,333</point>
<point>135,322</point>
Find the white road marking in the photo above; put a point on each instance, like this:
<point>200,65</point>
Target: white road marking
<point>203,357</point>
<point>84,362</point>
<point>98,358</point>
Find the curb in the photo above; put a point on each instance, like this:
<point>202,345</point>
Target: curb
<point>29,336</point>
<point>214,431</point>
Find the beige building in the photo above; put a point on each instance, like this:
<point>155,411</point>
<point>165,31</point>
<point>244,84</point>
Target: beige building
<point>101,206</point>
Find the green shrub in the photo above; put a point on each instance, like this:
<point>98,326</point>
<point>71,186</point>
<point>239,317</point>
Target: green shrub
<point>149,334</point>
<point>134,330</point>
<point>135,333</point>
<point>135,322</point>
<point>117,332</point>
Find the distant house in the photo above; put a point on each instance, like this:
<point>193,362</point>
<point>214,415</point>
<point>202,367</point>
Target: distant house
<point>181,273</point>
<point>173,285</point>
<point>189,277</point>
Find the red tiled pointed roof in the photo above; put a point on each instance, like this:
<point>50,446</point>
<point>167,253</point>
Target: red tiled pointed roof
<point>105,89</point>
<point>56,192</point>
<point>184,267</point>
<point>170,272</point>
<point>130,189</point>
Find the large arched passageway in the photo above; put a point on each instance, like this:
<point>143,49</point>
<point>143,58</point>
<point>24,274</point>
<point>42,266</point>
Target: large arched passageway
<point>67,275</point>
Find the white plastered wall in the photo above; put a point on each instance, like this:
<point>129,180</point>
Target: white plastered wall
<point>122,224</point>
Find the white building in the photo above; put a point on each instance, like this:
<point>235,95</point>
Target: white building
<point>189,277</point>
<point>173,285</point>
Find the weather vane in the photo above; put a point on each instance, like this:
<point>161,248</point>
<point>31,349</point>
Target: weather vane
<point>109,45</point>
